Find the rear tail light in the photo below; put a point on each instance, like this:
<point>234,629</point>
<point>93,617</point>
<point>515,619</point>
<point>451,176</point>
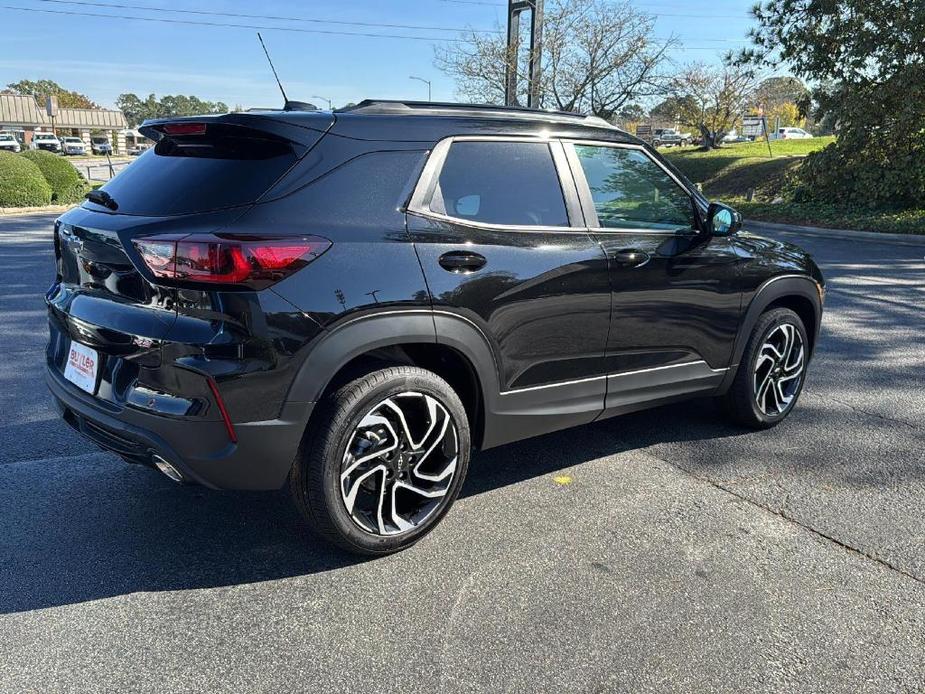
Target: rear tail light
<point>247,261</point>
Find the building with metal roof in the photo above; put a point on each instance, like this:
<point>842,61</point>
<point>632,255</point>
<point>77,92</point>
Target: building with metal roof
<point>23,116</point>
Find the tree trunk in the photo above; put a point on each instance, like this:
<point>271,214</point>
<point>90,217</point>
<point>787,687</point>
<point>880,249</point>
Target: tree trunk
<point>709,138</point>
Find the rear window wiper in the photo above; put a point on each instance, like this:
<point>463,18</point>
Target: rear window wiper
<point>101,197</point>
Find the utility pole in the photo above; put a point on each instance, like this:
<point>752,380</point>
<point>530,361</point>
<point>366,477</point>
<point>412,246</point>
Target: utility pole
<point>514,10</point>
<point>427,82</point>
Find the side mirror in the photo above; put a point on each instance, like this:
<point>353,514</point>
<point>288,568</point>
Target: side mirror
<point>722,220</point>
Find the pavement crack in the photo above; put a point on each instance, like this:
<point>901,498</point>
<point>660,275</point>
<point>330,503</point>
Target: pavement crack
<point>790,519</point>
<point>861,410</point>
<point>451,622</point>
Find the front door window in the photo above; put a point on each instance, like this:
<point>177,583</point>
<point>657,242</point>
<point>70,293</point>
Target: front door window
<point>630,191</point>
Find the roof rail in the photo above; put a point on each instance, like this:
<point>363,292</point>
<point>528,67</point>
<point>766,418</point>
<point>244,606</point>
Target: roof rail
<point>384,106</point>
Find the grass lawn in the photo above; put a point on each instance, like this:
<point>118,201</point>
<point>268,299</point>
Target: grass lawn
<point>732,170</point>
<point>729,173</point>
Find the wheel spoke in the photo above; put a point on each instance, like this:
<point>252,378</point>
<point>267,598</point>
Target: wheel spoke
<point>367,422</point>
<point>781,397</point>
<point>777,353</point>
<point>401,523</point>
<point>379,519</point>
<point>431,411</point>
<point>351,496</point>
<point>788,331</point>
<point>426,493</point>
<point>797,364</point>
<point>450,467</point>
<point>761,392</point>
<point>773,391</point>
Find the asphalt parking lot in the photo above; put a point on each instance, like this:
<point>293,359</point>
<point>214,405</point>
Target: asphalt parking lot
<point>659,551</point>
<point>97,168</point>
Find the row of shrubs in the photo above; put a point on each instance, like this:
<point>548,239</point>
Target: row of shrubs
<point>34,178</point>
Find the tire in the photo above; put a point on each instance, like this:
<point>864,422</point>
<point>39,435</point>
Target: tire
<point>348,428</point>
<point>778,370</point>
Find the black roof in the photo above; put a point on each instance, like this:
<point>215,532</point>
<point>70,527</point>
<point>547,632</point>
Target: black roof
<point>429,121</point>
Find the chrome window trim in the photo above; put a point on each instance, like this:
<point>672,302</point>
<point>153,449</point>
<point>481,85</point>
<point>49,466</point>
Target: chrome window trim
<point>421,198</point>
<point>584,191</point>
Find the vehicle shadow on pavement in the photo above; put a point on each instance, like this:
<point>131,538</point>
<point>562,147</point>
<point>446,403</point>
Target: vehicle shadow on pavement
<point>90,527</point>
<point>93,527</point>
<point>691,421</point>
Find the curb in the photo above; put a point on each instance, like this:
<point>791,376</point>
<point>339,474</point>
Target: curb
<point>845,234</point>
<point>23,211</point>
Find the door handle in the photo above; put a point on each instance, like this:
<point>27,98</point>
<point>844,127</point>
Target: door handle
<point>462,261</point>
<point>631,257</point>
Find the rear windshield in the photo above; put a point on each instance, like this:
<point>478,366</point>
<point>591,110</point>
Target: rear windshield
<point>227,167</point>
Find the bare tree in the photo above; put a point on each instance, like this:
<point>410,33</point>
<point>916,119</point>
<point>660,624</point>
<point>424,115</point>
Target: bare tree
<point>478,65</point>
<point>714,97</point>
<point>598,56</point>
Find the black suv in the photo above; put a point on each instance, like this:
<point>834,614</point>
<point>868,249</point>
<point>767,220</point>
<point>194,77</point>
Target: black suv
<point>350,303</point>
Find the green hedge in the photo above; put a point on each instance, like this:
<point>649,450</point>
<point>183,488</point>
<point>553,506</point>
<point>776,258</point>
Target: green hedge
<point>22,183</point>
<point>67,185</point>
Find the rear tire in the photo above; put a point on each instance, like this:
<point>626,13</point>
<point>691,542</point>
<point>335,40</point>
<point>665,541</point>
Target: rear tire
<point>771,374</point>
<point>378,503</point>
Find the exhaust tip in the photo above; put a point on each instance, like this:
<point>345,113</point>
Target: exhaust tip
<point>166,468</point>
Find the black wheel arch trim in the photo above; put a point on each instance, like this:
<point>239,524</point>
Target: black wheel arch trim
<point>774,289</point>
<point>339,344</point>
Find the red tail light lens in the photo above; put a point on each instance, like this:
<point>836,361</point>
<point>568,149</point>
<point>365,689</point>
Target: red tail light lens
<point>183,128</point>
<point>248,261</point>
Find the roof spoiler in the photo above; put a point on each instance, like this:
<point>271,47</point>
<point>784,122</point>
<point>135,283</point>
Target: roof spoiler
<point>298,126</point>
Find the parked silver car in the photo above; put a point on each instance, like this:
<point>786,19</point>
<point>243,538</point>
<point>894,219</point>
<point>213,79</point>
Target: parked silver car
<point>100,145</point>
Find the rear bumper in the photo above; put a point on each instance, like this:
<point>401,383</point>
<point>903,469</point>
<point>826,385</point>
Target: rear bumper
<point>199,449</point>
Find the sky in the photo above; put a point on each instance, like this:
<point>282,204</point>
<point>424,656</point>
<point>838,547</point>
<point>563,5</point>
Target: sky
<point>114,51</point>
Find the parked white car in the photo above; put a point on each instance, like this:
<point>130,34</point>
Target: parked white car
<point>73,145</point>
<point>9,143</point>
<point>791,134</point>
<point>46,141</point>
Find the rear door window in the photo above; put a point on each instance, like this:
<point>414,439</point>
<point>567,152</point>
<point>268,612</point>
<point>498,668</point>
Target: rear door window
<point>500,183</point>
<point>227,166</point>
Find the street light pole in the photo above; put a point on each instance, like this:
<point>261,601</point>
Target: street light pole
<point>324,98</point>
<point>427,82</point>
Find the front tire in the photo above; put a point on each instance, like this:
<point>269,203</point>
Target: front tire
<point>772,371</point>
<point>382,461</point>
